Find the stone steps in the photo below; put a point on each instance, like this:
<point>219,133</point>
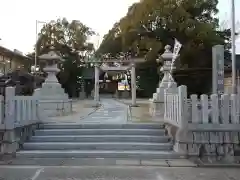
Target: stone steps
<point>134,141</point>
<point>98,154</point>
<point>102,126</point>
<point>101,138</point>
<point>63,132</point>
<point>96,146</point>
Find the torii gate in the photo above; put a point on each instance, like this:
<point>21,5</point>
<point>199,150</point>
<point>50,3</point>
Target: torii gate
<point>102,64</point>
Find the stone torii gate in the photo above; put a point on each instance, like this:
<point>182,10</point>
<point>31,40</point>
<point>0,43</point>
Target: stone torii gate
<point>103,65</point>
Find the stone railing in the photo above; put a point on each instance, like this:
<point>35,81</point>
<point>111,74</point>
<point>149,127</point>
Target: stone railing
<point>209,126</point>
<point>19,117</point>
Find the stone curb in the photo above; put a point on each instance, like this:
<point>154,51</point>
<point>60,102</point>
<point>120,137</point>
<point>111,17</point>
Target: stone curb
<point>120,101</point>
<point>219,165</point>
<point>89,162</point>
<point>201,164</point>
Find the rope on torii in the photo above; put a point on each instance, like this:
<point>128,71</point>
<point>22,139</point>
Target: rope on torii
<point>103,62</point>
<point>93,59</point>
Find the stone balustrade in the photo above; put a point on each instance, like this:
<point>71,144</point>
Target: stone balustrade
<point>19,117</point>
<point>208,126</point>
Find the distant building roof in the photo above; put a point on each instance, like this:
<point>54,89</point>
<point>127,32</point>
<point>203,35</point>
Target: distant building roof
<point>15,52</point>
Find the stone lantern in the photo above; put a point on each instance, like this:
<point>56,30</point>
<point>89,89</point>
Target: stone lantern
<point>51,95</point>
<point>156,103</point>
<point>167,69</point>
<point>167,80</point>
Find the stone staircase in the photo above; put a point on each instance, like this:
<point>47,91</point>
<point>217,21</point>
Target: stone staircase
<point>137,141</point>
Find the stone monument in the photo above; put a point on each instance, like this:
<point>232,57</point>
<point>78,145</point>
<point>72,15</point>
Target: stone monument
<point>157,102</point>
<point>218,71</point>
<point>52,97</point>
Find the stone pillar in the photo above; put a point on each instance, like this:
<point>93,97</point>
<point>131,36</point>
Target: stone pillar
<point>133,85</point>
<point>96,87</point>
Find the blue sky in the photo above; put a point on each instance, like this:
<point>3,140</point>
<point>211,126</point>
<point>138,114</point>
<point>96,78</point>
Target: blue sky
<point>18,17</point>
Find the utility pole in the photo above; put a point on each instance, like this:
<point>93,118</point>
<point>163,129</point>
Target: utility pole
<point>233,46</point>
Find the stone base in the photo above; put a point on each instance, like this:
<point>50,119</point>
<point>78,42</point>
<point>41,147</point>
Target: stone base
<point>52,91</point>
<point>125,94</point>
<point>116,95</point>
<point>55,107</point>
<point>159,95</point>
<point>156,108</point>
<point>95,104</point>
<point>82,95</point>
<point>14,138</point>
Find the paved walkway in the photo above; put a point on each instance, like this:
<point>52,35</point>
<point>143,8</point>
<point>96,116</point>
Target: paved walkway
<point>141,112</point>
<point>110,111</point>
<point>81,110</point>
<point>117,173</point>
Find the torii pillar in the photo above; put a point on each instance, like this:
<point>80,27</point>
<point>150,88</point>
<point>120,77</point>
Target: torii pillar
<point>133,84</point>
<point>96,85</point>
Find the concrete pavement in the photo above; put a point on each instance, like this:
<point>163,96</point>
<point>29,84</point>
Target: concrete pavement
<point>110,112</point>
<point>81,110</point>
<point>115,173</point>
<point>141,112</point>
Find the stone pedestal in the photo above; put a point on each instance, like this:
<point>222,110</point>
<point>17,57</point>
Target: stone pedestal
<point>52,98</point>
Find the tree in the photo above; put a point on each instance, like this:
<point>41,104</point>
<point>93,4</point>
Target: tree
<point>151,24</point>
<point>70,40</point>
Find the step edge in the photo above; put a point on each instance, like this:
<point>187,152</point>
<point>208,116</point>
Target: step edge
<point>97,143</point>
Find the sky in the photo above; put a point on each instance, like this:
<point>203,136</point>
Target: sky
<point>18,17</point>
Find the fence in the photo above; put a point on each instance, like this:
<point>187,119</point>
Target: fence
<point>205,125</point>
<point>17,111</point>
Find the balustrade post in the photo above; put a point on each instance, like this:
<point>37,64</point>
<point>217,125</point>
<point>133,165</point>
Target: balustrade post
<point>181,134</point>
<point>9,107</point>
